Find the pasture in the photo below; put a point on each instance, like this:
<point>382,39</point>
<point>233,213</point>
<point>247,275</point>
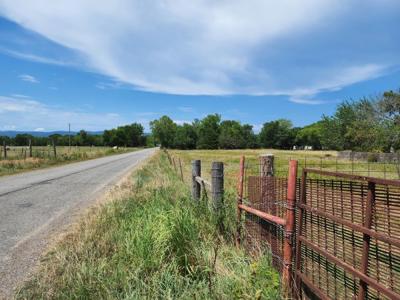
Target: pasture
<point>321,160</point>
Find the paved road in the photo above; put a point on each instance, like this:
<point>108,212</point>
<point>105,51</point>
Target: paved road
<point>36,205</point>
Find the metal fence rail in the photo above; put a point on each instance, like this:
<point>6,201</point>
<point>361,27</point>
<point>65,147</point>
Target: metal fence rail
<point>346,234</point>
<point>348,243</point>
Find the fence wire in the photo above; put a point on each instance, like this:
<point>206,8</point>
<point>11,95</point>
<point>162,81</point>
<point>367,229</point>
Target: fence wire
<point>342,198</point>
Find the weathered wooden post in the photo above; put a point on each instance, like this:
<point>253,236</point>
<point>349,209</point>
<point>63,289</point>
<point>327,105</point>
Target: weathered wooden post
<point>173,160</point>
<point>240,198</point>
<point>267,166</point>
<point>30,148</point>
<point>180,168</point>
<point>196,172</point>
<point>54,149</point>
<point>5,149</point>
<point>289,227</point>
<point>217,184</point>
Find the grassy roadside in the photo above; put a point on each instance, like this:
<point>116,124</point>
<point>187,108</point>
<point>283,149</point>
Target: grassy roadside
<point>19,165</point>
<point>152,242</point>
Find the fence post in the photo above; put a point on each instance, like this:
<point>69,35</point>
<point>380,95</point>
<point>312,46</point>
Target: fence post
<point>173,160</point>
<point>267,166</point>
<point>289,227</point>
<point>30,148</point>
<point>54,149</point>
<point>196,172</point>
<point>217,184</point>
<point>366,238</point>
<point>240,198</point>
<point>180,167</point>
<point>5,149</point>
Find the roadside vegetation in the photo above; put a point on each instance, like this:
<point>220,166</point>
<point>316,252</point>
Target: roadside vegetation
<point>43,157</point>
<point>153,241</point>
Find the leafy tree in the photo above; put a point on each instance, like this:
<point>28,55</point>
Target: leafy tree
<point>185,137</point>
<point>231,135</point>
<point>277,134</point>
<point>310,136</point>
<point>249,137</point>
<point>208,130</point>
<point>164,130</point>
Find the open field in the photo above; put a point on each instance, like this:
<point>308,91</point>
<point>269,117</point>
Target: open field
<point>322,160</point>
<point>152,241</point>
<point>18,159</point>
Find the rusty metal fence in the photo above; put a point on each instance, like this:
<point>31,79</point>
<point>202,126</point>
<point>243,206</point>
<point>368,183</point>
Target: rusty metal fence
<point>344,242</point>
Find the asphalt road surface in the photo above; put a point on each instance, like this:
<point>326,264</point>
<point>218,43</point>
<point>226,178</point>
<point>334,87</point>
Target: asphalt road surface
<point>36,205</point>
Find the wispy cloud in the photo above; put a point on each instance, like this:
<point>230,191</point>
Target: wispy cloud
<point>32,113</point>
<point>28,78</point>
<point>186,109</point>
<point>35,58</point>
<point>206,47</point>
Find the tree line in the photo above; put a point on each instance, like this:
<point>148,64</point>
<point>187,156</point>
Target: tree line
<point>367,124</point>
<point>124,136</point>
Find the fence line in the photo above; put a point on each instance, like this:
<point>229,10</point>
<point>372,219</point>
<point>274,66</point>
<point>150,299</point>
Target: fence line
<point>331,235</point>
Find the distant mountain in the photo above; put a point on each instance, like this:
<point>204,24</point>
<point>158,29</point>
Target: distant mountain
<point>11,133</point>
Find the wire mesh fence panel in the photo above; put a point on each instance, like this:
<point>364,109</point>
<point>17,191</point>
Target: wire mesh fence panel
<point>266,194</point>
<point>349,240</point>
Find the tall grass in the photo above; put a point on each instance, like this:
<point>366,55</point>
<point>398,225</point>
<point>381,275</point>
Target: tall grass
<point>154,243</point>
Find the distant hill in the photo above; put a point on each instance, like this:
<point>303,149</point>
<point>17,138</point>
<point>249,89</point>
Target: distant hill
<point>11,133</point>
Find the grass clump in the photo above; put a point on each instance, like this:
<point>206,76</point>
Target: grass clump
<point>155,243</point>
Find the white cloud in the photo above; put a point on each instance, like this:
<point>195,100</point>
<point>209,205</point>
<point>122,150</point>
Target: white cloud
<point>210,47</point>
<point>186,109</point>
<point>28,78</point>
<point>39,129</point>
<point>181,122</point>
<point>35,58</point>
<point>32,113</point>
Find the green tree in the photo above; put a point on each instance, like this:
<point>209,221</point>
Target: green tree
<point>231,135</point>
<point>277,134</point>
<point>310,136</point>
<point>185,137</point>
<point>208,130</point>
<point>164,130</point>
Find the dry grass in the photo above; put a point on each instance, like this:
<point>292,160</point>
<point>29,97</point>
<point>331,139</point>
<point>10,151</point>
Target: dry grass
<point>324,160</point>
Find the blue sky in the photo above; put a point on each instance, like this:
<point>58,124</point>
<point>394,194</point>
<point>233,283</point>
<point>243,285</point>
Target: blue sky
<point>99,65</point>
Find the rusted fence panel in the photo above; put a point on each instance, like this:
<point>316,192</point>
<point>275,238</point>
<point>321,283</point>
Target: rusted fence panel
<point>348,244</point>
<point>347,232</point>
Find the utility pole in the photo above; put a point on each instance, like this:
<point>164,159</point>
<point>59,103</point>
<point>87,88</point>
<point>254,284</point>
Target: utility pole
<point>69,136</point>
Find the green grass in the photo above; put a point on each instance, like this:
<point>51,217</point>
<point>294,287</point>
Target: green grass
<point>43,157</point>
<point>153,242</point>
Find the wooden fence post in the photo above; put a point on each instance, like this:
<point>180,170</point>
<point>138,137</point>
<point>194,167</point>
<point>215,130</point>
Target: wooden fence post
<point>5,149</point>
<point>180,167</point>
<point>267,166</point>
<point>54,149</point>
<point>196,172</point>
<point>217,184</point>
<point>288,243</point>
<point>240,198</point>
<point>173,160</point>
<point>30,148</point>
